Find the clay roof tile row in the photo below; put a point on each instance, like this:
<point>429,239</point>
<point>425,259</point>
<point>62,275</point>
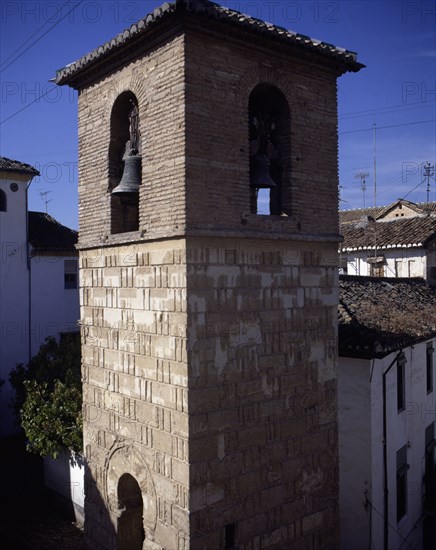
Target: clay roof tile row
<point>9,165</point>
<point>395,233</point>
<point>377,316</point>
<point>209,9</point>
<point>47,235</point>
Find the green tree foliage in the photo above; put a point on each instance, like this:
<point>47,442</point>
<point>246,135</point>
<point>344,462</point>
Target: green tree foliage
<point>48,398</point>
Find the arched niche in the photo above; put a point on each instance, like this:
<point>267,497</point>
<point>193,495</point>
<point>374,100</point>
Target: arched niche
<point>130,494</point>
<point>130,529</point>
<point>270,150</point>
<point>125,141</point>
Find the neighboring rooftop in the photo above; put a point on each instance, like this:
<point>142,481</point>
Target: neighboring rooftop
<point>395,233</point>
<point>357,215</point>
<point>345,58</point>
<point>46,235</point>
<point>378,315</point>
<point>9,165</point>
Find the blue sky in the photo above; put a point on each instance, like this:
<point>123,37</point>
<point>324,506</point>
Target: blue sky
<point>396,92</point>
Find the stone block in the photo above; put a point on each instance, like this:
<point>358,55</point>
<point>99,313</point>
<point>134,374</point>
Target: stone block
<point>111,277</point>
<point>131,298</point>
<point>145,277</point>
<point>162,300</point>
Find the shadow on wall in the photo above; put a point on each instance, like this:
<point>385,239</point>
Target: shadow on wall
<point>120,505</point>
<point>64,477</point>
<point>100,531</point>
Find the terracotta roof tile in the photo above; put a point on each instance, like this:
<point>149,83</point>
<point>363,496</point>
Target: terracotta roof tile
<point>69,73</point>
<point>380,315</point>
<point>46,235</point>
<point>350,216</point>
<point>9,165</point>
<point>395,233</point>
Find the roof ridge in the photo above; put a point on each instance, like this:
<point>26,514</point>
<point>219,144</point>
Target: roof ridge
<point>65,74</point>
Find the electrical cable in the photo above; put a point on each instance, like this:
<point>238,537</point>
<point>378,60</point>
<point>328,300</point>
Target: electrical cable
<point>416,186</point>
<point>38,39</point>
<point>25,107</point>
<point>392,527</point>
<point>386,110</point>
<point>384,127</point>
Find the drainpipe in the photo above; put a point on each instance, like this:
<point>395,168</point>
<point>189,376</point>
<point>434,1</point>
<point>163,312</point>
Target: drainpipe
<point>385,460</point>
<point>29,306</point>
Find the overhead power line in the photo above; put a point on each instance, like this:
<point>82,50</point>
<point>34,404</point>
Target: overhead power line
<point>387,110</point>
<point>25,107</point>
<point>3,68</point>
<point>391,526</point>
<point>390,126</point>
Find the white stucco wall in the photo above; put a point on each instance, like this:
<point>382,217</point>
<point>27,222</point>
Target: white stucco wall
<point>354,451</point>
<point>33,304</point>
<point>54,308</point>
<point>14,292</point>
<point>406,428</point>
<point>402,262</point>
<point>65,476</point>
<point>403,428</point>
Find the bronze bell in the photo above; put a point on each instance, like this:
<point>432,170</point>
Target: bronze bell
<point>260,178</point>
<point>131,176</point>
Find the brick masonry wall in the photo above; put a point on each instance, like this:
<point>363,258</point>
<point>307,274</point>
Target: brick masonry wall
<point>208,361</point>
<point>157,80</point>
<point>262,393</point>
<point>218,86</point>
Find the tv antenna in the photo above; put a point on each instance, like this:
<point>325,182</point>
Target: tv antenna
<point>44,197</point>
<point>362,176</point>
<point>428,173</point>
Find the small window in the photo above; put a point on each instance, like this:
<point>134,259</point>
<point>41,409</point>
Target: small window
<point>229,536</point>
<point>343,265</point>
<point>401,390</point>
<point>376,266</point>
<point>398,268</point>
<point>429,438</point>
<point>429,367</point>
<point>429,477</point>
<point>2,201</point>
<point>70,274</point>
<point>411,271</point>
<point>402,468</point>
<point>377,270</point>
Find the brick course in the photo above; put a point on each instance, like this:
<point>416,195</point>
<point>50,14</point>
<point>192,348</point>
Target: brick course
<point>209,335</point>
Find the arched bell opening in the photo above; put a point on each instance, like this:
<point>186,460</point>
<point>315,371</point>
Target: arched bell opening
<point>130,532</point>
<point>125,163</point>
<point>269,137</point>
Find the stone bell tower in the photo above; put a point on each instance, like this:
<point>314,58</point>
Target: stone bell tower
<point>208,253</point>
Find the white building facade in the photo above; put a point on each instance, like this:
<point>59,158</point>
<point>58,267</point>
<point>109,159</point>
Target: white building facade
<point>15,178</point>
<point>37,296</point>
<point>396,241</point>
<point>386,417</point>
<point>54,287</point>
